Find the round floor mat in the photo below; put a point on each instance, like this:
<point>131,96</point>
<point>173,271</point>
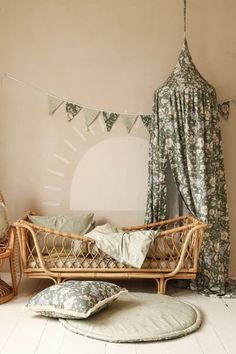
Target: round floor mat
<point>139,317</point>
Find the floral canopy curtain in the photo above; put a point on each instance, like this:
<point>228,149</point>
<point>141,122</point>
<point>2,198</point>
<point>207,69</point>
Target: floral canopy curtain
<point>185,130</point>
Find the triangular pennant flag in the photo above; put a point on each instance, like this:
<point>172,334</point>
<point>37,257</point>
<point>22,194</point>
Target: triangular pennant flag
<point>90,115</point>
<point>129,121</point>
<point>223,109</point>
<point>234,101</point>
<point>53,104</point>
<point>147,119</point>
<point>72,110</point>
<point>110,119</point>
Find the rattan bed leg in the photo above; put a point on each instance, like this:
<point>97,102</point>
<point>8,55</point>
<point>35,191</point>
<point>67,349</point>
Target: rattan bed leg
<point>158,285</point>
<point>162,286</point>
<point>58,280</point>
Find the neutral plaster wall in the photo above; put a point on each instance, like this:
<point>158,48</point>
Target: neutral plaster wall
<point>110,54</point>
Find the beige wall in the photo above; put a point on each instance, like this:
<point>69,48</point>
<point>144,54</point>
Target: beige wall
<point>110,54</point>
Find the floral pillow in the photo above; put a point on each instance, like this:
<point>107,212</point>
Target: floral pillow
<point>75,299</point>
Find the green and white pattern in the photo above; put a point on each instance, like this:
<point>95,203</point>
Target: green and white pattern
<point>72,110</point>
<point>186,130</point>
<point>74,299</point>
<point>224,109</point>
<point>110,119</point>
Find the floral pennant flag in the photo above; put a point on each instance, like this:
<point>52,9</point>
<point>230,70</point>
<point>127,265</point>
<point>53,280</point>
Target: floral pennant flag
<point>129,121</point>
<point>90,115</point>
<point>110,119</point>
<point>72,110</point>
<point>53,104</point>
<point>223,109</point>
<point>146,119</point>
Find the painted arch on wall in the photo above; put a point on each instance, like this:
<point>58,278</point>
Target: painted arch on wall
<point>111,176</point>
<point>96,170</point>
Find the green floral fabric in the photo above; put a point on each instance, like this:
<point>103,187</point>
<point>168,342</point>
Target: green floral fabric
<point>147,121</point>
<point>72,110</point>
<point>74,299</point>
<point>110,119</point>
<point>224,109</point>
<point>186,131</point>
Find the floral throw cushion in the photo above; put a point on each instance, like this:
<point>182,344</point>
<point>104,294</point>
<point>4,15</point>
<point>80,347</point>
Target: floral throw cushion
<point>75,299</point>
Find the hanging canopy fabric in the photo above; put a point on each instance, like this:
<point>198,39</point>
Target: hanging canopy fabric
<point>185,130</point>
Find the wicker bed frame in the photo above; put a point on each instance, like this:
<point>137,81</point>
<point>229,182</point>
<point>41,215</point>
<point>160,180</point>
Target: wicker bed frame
<point>45,253</point>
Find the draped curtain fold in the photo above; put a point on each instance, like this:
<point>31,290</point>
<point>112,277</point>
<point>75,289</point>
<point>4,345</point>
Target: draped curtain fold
<point>157,172</point>
<point>186,130</point>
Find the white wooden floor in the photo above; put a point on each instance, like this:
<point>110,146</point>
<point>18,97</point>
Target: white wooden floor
<point>22,332</point>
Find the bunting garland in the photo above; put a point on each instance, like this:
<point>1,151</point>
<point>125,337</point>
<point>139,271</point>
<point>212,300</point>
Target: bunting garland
<point>72,110</point>
<point>53,104</point>
<point>128,121</point>
<point>91,114</point>
<point>110,119</point>
<point>224,108</point>
<point>146,119</point>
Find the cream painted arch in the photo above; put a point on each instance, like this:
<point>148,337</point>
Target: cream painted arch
<point>112,176</point>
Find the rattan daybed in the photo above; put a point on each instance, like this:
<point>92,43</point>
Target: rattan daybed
<point>56,260</point>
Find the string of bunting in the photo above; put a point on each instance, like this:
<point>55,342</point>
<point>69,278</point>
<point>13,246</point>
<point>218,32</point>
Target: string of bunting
<point>90,114</point>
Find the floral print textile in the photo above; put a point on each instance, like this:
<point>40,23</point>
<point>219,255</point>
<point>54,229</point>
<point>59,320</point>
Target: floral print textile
<point>110,119</point>
<point>185,130</point>
<point>74,299</point>
<point>72,110</point>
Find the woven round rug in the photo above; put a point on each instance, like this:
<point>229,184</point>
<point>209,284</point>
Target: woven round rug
<point>139,317</point>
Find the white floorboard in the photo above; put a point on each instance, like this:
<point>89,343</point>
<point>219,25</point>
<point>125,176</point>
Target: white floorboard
<point>214,335</point>
<point>74,344</point>
<point>222,321</point>
<point>231,304</point>
<point>122,348</point>
<point>22,332</point>
<point>52,338</point>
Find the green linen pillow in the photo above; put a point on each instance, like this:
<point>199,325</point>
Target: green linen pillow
<point>74,224</point>
<point>4,225</point>
<point>75,299</point>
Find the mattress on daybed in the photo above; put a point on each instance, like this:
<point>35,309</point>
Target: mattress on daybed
<point>71,263</point>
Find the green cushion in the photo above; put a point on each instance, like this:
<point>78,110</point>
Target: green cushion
<point>75,299</point>
<point>4,225</point>
<point>140,317</point>
<point>74,224</point>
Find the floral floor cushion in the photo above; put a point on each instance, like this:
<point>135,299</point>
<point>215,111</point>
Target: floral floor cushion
<point>75,299</point>
<point>139,317</point>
